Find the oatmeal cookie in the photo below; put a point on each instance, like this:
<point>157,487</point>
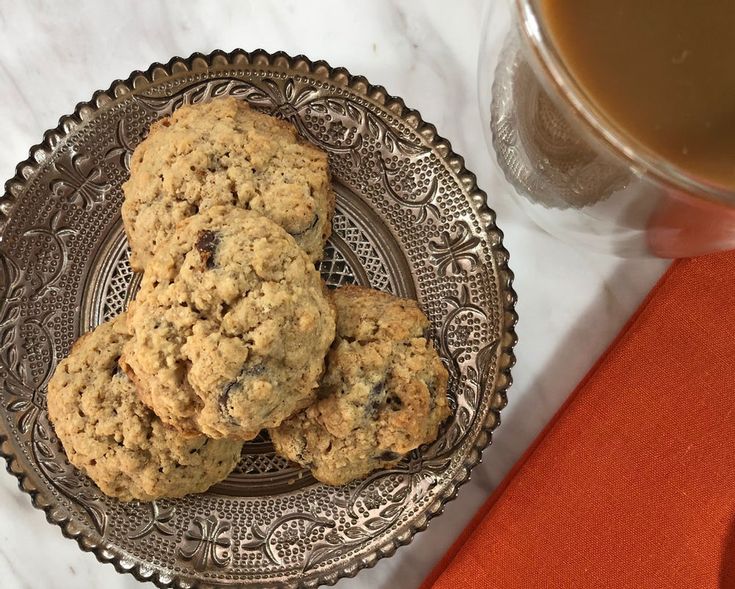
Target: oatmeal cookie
<point>383,393</point>
<point>230,327</point>
<point>115,439</point>
<point>225,153</point>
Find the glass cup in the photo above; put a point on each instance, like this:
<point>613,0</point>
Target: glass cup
<point>573,171</point>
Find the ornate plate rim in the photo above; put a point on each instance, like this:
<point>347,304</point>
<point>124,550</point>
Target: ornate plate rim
<point>359,84</point>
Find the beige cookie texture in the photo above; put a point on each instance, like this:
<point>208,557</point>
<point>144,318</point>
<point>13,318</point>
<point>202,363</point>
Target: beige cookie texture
<point>225,153</point>
<point>115,439</point>
<point>383,393</point>
<point>230,327</point>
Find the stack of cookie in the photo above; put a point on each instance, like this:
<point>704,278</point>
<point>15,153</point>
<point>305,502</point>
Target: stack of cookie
<point>232,332</point>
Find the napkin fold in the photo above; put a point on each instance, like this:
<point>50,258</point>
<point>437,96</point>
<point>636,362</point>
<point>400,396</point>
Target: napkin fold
<point>632,484</point>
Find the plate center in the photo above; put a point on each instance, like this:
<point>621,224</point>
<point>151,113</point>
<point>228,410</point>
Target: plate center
<point>361,251</point>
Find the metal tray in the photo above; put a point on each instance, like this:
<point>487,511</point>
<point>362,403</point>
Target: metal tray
<point>410,220</point>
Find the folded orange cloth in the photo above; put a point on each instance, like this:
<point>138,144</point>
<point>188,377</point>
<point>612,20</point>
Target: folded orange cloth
<point>632,484</point>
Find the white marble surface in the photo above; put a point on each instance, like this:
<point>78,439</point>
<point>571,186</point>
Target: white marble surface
<point>571,302</point>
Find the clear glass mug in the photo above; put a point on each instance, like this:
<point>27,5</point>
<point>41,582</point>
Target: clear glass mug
<point>572,170</point>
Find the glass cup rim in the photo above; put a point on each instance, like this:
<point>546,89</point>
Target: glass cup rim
<point>638,156</point>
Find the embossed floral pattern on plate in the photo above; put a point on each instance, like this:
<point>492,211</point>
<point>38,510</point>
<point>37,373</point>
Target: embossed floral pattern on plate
<point>410,220</point>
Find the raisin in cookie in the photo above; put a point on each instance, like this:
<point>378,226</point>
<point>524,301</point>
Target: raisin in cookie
<point>383,394</point>
<point>115,439</point>
<point>230,327</point>
<point>225,153</point>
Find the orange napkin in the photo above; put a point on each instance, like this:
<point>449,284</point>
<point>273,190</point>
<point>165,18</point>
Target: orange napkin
<point>632,484</point>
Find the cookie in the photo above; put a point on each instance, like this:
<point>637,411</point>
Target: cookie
<point>116,440</point>
<point>383,393</point>
<point>230,327</point>
<point>225,153</point>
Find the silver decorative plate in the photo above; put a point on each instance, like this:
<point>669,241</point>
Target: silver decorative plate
<point>410,220</point>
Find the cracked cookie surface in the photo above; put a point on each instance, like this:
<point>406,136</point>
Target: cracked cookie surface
<point>225,153</point>
<point>116,440</point>
<point>383,393</point>
<point>230,327</point>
